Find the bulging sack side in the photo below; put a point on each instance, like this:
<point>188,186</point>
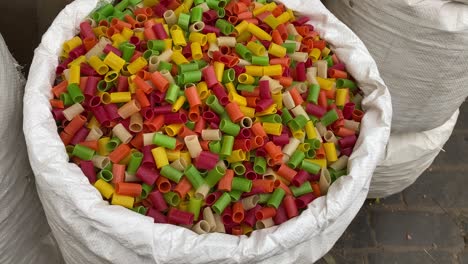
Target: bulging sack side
<point>408,155</point>
<point>26,237</point>
<point>89,230</point>
<point>421,49</point>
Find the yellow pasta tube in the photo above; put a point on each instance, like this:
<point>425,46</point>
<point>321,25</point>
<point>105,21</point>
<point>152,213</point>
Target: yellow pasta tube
<point>310,130</point>
<point>219,70</point>
<point>200,38</point>
<point>114,62</point>
<point>178,103</point>
<point>325,84</point>
<point>277,50</point>
<point>238,99</point>
<point>202,90</point>
<point>247,111</point>
<point>77,61</point>
<point>255,48</point>
<point>273,70</point>
<point>137,65</point>
<point>160,157</point>
<point>71,44</point>
<point>272,128</point>
<point>197,53</point>
<point>98,65</point>
<point>241,27</point>
<point>246,78</point>
<point>258,32</point>
<point>102,142</point>
<point>178,37</point>
<point>254,70</point>
<point>341,95</point>
<point>74,74</point>
<point>179,58</point>
<point>314,54</point>
<point>173,129</point>
<point>123,200</point>
<point>236,156</point>
<point>330,151</point>
<point>104,188</point>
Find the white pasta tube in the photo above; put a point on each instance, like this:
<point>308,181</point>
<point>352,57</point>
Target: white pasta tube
<point>211,134</point>
<point>148,138</point>
<point>136,123</point>
<point>340,163</point>
<point>170,17</point>
<point>202,227</point>
<point>299,110</point>
<point>98,49</point>
<point>325,181</point>
<point>330,137</point>
<point>95,133</point>
<point>73,111</point>
<point>265,223</point>
<point>299,56</point>
<point>288,101</point>
<point>219,224</point>
<point>250,202</point>
<point>122,133</point>
<point>226,41</point>
<point>168,76</point>
<point>289,148</point>
<point>100,161</point>
<point>321,128</point>
<point>153,63</point>
<point>322,68</point>
<point>208,216</point>
<point>193,145</point>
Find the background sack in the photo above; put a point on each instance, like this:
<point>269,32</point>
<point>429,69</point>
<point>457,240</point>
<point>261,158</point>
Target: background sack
<point>89,230</point>
<point>24,233</point>
<point>421,49</point>
<point>408,156</point>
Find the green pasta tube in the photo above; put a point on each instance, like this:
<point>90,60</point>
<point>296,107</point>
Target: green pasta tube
<point>330,117</point>
<point>145,190</point>
<point>196,14</point>
<point>235,195</point>
<point>140,209</point>
<point>261,60</point>
<point>298,122</point>
<point>345,83</point>
<point>229,127</point>
<point>66,99</point>
<point>286,116</point>
<point>227,145</point>
<point>223,201</point>
<point>229,75</point>
<point>271,118</point>
<point>188,67</point>
<point>157,45</point>
<point>194,207</point>
<point>103,86</point>
<point>276,198</point>
<point>149,53</point>
<point>243,51</point>
<point>75,93</point>
<point>246,87</point>
<point>163,65</point>
<point>135,162</point>
<point>214,176</point>
<point>191,77</point>
<point>184,21</point>
<point>241,184</point>
<point>239,168</point>
<point>172,93</point>
<point>310,167</point>
<point>83,152</point>
<point>171,173</point>
<point>215,146</point>
<point>127,51</point>
<point>329,60</point>
<point>310,154</point>
<point>312,96</point>
<point>113,143</point>
<point>305,188</point>
<point>225,27</point>
<point>122,5</point>
<point>194,176</point>
<point>190,125</point>
<point>296,159</point>
<point>214,104</point>
<point>172,198</point>
<point>105,175</point>
<point>263,198</point>
<point>260,165</point>
<point>164,141</point>
<point>290,47</point>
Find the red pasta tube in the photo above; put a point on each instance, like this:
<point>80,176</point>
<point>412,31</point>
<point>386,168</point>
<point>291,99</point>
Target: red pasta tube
<point>87,168</point>
<point>157,216</point>
<point>147,175</point>
<point>163,184</point>
<point>289,204</point>
<point>304,200</point>
<point>157,201</point>
<point>128,189</point>
<point>226,181</point>
<point>237,212</point>
<point>118,172</point>
<point>265,212</point>
<point>281,215</point>
<point>159,81</point>
<point>175,216</point>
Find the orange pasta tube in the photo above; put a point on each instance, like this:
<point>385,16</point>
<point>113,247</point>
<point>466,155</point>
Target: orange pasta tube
<point>237,212</point>
<point>119,153</point>
<point>163,184</point>
<point>226,181</point>
<point>128,189</point>
<point>118,171</point>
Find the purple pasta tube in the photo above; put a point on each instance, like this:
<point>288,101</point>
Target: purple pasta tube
<point>147,175</point>
<point>80,136</point>
<point>159,30</point>
<point>315,110</point>
<point>301,177</point>
<point>157,216</point>
<point>157,200</point>
<point>281,215</point>
<point>249,218</point>
<point>87,168</point>
<point>179,217</point>
<point>304,200</point>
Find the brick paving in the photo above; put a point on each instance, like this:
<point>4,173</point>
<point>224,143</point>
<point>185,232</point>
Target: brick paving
<point>426,223</point>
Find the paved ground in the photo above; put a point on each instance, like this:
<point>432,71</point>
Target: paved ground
<point>427,223</point>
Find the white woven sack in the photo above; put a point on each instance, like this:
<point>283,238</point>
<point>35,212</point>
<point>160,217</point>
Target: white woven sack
<point>408,156</point>
<point>421,49</point>
<point>89,230</point>
<point>24,233</point>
